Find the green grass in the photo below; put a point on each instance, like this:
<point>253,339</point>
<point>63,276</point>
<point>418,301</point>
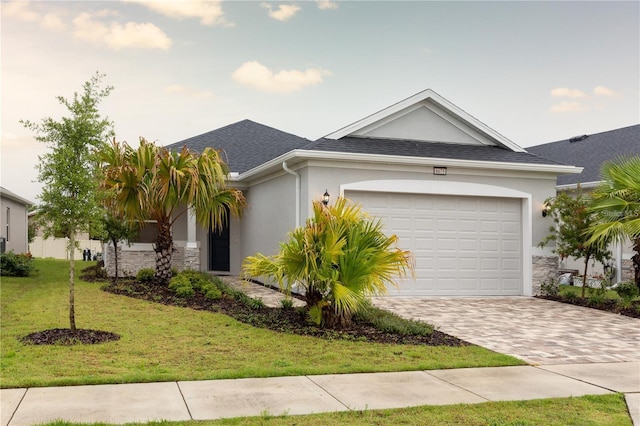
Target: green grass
<point>586,410</point>
<point>164,343</point>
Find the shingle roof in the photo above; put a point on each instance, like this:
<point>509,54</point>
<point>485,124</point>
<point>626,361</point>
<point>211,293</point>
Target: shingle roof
<point>590,152</point>
<point>245,144</point>
<point>426,149</point>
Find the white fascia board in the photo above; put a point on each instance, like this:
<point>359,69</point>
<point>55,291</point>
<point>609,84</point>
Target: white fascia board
<point>302,155</point>
<point>572,186</point>
<point>419,97</point>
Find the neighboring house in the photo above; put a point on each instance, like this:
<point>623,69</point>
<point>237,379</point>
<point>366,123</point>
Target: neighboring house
<point>13,220</point>
<point>58,248</point>
<point>463,198</point>
<point>590,152</point>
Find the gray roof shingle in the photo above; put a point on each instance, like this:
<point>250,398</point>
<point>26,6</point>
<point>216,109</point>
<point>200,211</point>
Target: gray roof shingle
<point>590,152</point>
<point>245,144</point>
<point>426,150</point>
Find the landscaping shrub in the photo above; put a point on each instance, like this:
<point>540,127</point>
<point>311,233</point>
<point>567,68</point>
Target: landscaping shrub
<point>392,323</point>
<point>146,275</point>
<point>181,286</point>
<point>286,303</point>
<point>16,265</point>
<point>550,288</point>
<point>627,292</point>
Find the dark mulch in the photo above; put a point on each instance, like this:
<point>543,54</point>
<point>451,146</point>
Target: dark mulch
<point>292,321</point>
<point>64,336</point>
<point>607,305</point>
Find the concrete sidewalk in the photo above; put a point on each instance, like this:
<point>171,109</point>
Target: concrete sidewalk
<point>215,399</point>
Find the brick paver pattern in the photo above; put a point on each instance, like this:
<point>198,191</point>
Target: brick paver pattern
<point>535,330</point>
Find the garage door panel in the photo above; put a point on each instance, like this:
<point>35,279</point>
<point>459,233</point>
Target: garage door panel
<point>462,245</point>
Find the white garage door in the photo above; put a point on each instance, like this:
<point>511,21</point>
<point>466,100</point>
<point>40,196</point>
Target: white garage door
<point>463,246</point>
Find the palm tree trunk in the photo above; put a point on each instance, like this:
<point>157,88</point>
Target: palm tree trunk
<point>72,270</point>
<point>164,250</point>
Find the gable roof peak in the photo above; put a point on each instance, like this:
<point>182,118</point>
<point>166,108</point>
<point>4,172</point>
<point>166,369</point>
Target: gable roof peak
<point>424,111</point>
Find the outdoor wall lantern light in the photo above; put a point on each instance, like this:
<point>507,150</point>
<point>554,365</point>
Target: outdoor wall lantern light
<point>546,209</point>
<point>325,197</point>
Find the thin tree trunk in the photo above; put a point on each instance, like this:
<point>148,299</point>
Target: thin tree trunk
<point>72,270</point>
<point>636,261</point>
<point>584,277</point>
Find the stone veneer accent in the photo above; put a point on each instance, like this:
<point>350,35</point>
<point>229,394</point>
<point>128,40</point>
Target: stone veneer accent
<point>130,260</point>
<point>543,269</point>
<point>192,258</point>
<point>627,273</point>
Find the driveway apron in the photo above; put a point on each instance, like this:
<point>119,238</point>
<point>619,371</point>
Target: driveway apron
<point>535,330</point>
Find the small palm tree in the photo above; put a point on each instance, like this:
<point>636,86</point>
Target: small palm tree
<point>340,257</point>
<point>154,183</point>
<point>617,205</point>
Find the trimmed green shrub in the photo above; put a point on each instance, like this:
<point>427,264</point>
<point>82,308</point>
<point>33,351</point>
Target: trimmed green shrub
<point>627,292</point>
<point>16,265</point>
<point>146,275</point>
<point>550,288</point>
<point>181,286</point>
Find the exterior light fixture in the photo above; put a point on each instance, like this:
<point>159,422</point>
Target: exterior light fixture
<point>546,209</point>
<point>325,197</point>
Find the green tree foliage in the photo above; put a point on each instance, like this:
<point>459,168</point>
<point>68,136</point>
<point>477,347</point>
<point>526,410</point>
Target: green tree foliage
<point>69,175</point>
<point>340,257</point>
<point>571,230</point>
<point>153,183</point>
<point>616,204</point>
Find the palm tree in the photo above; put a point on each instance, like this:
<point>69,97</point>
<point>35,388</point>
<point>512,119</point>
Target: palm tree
<point>339,258</point>
<point>153,183</point>
<point>617,205</point>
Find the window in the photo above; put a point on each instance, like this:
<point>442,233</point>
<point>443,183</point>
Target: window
<point>147,233</point>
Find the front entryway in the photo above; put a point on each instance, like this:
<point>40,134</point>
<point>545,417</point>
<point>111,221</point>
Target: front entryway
<point>219,244</point>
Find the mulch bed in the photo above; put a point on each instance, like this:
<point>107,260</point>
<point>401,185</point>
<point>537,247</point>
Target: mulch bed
<point>277,319</point>
<point>607,305</point>
<point>64,336</point>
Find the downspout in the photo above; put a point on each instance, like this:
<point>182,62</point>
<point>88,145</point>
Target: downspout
<point>297,175</point>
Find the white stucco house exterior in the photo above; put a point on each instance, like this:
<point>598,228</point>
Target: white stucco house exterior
<point>13,221</point>
<point>463,198</point>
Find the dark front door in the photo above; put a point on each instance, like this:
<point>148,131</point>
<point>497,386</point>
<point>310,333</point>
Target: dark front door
<point>219,249</point>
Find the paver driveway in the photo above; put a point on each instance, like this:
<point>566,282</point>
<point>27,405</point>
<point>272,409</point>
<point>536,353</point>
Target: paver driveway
<point>535,330</point>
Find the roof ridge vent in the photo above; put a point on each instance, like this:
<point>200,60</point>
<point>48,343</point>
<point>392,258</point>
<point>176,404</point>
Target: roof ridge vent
<point>578,138</point>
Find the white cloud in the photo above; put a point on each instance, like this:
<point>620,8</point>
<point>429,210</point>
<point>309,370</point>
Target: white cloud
<point>189,92</point>
<point>603,91</point>
<point>20,10</point>
<point>53,22</point>
<point>568,107</point>
<point>564,92</point>
<point>326,4</point>
<point>283,13</point>
<point>254,74</point>
<point>117,36</point>
<point>209,12</point>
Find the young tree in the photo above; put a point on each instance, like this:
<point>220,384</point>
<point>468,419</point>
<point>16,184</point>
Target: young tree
<point>114,230</point>
<point>616,204</point>
<point>68,172</point>
<point>571,230</point>
<point>154,183</point>
<point>340,257</point>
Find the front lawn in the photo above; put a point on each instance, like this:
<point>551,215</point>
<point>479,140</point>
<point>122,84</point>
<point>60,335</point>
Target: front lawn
<point>166,343</point>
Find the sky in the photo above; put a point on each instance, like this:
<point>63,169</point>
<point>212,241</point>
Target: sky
<point>535,72</point>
